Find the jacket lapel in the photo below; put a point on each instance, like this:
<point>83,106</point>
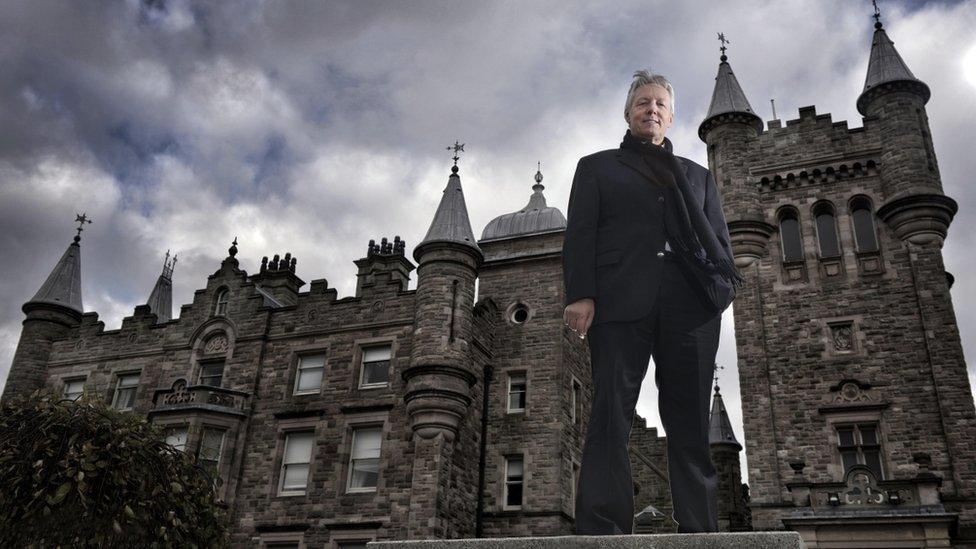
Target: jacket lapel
<point>633,161</point>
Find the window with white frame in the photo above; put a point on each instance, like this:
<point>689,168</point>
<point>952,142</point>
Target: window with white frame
<point>859,444</point>
<point>212,373</point>
<point>311,369</point>
<point>125,391</point>
<point>513,481</point>
<point>220,307</point>
<point>176,437</point>
<point>296,462</point>
<point>576,401</point>
<point>364,459</point>
<point>376,366</point>
<point>211,446</point>
<point>73,388</point>
<point>516,392</point>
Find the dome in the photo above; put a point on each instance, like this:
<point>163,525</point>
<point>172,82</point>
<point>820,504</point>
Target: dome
<point>535,217</point>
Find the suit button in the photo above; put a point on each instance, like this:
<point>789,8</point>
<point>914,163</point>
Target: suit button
<point>660,254</point>
<point>660,199</point>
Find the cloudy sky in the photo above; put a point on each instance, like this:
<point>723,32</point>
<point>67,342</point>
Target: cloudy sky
<point>311,127</point>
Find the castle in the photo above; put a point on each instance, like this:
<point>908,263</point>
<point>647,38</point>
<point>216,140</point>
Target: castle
<point>430,413</point>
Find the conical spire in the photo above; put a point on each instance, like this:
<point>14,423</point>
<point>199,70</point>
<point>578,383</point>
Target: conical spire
<point>720,428</point>
<point>451,223</point>
<point>63,285</point>
<point>728,98</point>
<point>161,298</point>
<point>885,66</point>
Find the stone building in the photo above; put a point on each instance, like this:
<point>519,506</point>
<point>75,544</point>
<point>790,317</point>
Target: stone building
<point>331,422</point>
<point>858,412</point>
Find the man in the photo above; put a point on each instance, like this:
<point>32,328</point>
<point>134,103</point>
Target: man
<point>641,221</point>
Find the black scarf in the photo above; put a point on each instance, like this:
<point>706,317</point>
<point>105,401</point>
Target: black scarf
<point>688,230</point>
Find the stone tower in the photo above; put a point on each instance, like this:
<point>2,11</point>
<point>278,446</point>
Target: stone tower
<point>533,424</point>
<point>725,449</point>
<point>858,413</point>
<point>52,314</point>
<point>441,373</point>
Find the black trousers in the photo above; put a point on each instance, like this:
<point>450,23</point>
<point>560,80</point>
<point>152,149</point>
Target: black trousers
<point>682,337</point>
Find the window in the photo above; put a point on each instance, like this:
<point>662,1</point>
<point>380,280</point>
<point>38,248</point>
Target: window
<point>176,437</point>
<point>520,314</point>
<point>789,231</point>
<point>865,236</point>
<point>211,446</point>
<point>576,472</point>
<point>516,392</point>
<point>282,545</point>
<point>858,444</point>
<point>352,545</point>
<point>295,463</point>
<point>310,371</point>
<point>576,401</point>
<point>211,372</point>
<point>125,392</point>
<point>220,308</point>
<point>73,388</point>
<point>513,481</point>
<point>826,230</point>
<point>376,366</point>
<point>364,459</point>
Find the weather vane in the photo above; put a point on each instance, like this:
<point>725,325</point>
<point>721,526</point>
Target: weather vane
<point>457,147</point>
<point>877,12</point>
<point>717,368</point>
<point>724,41</point>
<point>81,219</point>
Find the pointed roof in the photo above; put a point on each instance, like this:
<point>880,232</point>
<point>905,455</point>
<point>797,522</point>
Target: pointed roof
<point>451,223</point>
<point>728,99</point>
<point>161,298</point>
<point>63,285</point>
<point>720,428</point>
<point>886,66</point>
<point>535,217</point>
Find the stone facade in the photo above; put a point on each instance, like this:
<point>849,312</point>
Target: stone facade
<point>448,411</point>
<point>858,412</point>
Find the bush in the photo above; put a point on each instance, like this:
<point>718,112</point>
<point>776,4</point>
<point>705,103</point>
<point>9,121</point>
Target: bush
<point>80,474</point>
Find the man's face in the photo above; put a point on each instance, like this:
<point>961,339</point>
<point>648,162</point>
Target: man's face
<point>650,114</point>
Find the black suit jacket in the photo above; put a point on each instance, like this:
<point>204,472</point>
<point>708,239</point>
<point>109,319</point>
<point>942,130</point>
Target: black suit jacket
<point>615,235</point>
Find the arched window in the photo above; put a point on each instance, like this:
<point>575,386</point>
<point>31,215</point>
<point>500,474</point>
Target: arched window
<point>826,230</point>
<point>865,235</point>
<point>221,306</point>
<point>789,232</point>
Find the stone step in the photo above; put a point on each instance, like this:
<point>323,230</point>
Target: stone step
<point>735,540</point>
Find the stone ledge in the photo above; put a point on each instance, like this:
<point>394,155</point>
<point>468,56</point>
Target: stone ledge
<point>737,540</point>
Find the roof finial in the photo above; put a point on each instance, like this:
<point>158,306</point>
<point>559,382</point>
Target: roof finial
<point>538,178</point>
<point>457,147</point>
<point>168,266</point>
<point>233,248</point>
<point>877,15</point>
<point>717,368</point>
<point>724,41</point>
<point>81,219</point>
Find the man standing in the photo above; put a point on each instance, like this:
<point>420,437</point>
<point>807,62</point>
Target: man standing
<point>645,229</point>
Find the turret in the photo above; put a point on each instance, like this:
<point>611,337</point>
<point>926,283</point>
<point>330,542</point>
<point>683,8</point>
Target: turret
<point>161,298</point>
<point>439,377</point>
<point>732,515</point>
<point>730,130</point>
<point>915,208</point>
<point>53,312</point>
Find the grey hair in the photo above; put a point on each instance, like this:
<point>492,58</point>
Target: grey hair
<point>643,78</point>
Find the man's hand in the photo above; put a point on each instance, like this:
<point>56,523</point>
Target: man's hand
<point>578,315</point>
